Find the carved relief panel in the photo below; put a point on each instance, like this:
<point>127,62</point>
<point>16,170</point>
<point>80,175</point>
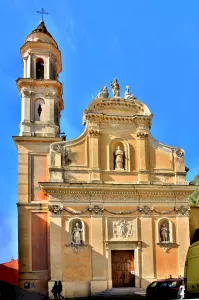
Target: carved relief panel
<point>122,229</point>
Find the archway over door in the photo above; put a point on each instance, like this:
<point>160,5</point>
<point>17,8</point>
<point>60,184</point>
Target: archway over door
<point>123,274</point>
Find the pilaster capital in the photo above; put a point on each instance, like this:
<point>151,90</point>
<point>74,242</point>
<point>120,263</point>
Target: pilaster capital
<point>142,126</point>
<point>50,94</point>
<point>26,92</point>
<point>96,210</point>
<point>182,211</point>
<point>94,132</point>
<point>55,210</point>
<point>142,134</point>
<point>145,210</point>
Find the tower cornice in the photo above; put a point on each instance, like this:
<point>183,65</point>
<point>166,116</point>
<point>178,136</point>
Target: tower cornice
<point>47,83</point>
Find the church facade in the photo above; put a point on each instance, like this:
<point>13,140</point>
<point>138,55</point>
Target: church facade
<point>107,209</point>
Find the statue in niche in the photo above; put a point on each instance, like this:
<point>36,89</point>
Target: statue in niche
<point>164,233</point>
<point>103,93</point>
<point>115,88</point>
<point>119,158</point>
<point>77,234</point>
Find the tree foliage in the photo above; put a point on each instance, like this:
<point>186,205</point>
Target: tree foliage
<point>194,197</point>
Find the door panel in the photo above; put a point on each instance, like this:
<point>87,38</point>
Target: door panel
<point>122,265</point>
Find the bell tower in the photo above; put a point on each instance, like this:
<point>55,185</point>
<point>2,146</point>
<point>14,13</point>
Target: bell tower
<point>40,89</point>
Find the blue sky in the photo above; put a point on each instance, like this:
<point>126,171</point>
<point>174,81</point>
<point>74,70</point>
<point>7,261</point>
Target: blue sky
<point>153,46</point>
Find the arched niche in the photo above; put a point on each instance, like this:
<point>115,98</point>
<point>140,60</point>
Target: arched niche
<point>114,145</point>
<point>39,110</point>
<point>73,226</point>
<point>39,68</point>
<point>165,231</point>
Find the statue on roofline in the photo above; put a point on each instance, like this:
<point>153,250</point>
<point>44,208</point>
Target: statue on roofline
<point>115,88</point>
<point>103,93</point>
<point>128,94</point>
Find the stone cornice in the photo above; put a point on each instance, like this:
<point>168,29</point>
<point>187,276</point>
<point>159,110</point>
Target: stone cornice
<point>113,119</point>
<point>30,83</point>
<point>24,139</point>
<point>100,188</point>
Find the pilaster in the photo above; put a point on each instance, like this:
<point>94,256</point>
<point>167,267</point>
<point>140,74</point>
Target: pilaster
<point>56,266</point>
<point>99,280</point>
<point>94,153</point>
<point>148,263</point>
<point>142,129</point>
<point>183,240</point>
<point>29,65</point>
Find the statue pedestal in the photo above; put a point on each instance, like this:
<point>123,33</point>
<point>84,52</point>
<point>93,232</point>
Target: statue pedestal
<point>119,169</point>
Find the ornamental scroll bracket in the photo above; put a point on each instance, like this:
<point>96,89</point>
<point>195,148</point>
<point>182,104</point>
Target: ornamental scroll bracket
<point>179,152</point>
<point>66,154</point>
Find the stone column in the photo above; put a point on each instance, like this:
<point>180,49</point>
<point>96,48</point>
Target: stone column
<point>56,242</point>
<point>183,236</point>
<point>29,66</point>
<point>148,262</point>
<point>94,153</point>
<point>142,128</point>
<point>25,106</point>
<point>99,280</point>
<point>25,67</point>
<point>49,68</point>
<point>50,112</point>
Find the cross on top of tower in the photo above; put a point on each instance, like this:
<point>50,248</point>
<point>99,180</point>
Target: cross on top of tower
<point>42,12</point>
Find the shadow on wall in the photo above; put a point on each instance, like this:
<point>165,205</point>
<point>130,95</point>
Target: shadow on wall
<point>11,292</point>
<point>195,237</point>
<point>34,223</point>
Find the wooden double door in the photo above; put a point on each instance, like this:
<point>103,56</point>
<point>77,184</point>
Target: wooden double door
<point>122,268</point>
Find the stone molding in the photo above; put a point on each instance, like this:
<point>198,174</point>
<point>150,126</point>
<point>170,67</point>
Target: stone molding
<point>137,195</point>
<point>99,210</point>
